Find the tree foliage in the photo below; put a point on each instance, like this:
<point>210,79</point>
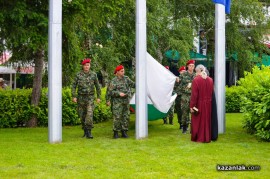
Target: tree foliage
<point>24,28</point>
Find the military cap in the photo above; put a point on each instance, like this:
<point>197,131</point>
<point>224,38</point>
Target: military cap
<point>86,60</point>
<point>182,68</point>
<point>118,68</point>
<point>191,62</point>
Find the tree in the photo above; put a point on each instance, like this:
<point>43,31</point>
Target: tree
<point>86,23</point>
<point>24,26</point>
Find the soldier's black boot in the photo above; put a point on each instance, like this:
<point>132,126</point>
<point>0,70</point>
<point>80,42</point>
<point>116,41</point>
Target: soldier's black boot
<point>165,120</point>
<point>85,131</point>
<point>115,135</point>
<point>171,121</point>
<point>184,129</point>
<point>124,134</point>
<point>89,134</point>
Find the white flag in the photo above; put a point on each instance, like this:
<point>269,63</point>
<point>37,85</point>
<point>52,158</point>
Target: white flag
<point>160,83</point>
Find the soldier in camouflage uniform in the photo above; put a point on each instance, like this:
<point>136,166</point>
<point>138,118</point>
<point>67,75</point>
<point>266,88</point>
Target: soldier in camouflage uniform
<point>178,98</point>
<point>86,81</point>
<point>185,91</point>
<point>170,113</point>
<point>118,95</point>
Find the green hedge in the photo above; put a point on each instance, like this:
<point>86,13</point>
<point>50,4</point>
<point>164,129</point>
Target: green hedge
<point>233,99</point>
<point>16,108</point>
<point>255,102</point>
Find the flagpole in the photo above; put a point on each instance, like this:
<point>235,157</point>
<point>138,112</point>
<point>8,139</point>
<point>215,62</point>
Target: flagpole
<point>55,71</point>
<point>220,65</point>
<point>141,95</point>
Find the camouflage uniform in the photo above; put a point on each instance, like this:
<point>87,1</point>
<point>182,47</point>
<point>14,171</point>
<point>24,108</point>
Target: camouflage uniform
<point>85,82</point>
<point>120,105</point>
<point>178,103</point>
<point>170,114</point>
<point>185,92</point>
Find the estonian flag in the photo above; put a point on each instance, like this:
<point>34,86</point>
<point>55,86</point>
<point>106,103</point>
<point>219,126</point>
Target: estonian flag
<point>226,3</point>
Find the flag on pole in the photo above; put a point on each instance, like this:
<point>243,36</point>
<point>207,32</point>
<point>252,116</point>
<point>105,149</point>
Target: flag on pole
<point>160,83</point>
<point>226,3</point>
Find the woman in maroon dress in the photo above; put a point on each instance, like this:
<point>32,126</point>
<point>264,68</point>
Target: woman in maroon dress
<point>201,106</point>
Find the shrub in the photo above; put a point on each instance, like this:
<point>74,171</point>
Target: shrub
<point>15,107</point>
<point>102,112</point>
<point>255,101</point>
<point>232,99</point>
<point>17,110</point>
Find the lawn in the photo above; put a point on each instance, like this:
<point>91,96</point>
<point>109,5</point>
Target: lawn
<point>166,153</point>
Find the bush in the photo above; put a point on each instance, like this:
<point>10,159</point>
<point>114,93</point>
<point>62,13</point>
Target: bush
<point>255,102</point>
<point>15,107</point>
<point>69,109</point>
<point>102,112</point>
<point>232,99</point>
<point>17,110</point>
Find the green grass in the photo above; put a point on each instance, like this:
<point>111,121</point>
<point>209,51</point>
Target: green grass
<point>166,153</point>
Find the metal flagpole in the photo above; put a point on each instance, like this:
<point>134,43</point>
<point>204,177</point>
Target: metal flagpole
<point>55,71</point>
<point>220,65</point>
<point>141,95</point>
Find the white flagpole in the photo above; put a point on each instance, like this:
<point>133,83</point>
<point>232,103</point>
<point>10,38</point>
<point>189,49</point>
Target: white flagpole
<point>220,65</point>
<point>55,71</point>
<point>141,95</point>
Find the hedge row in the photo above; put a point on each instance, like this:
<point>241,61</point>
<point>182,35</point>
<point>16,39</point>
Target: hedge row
<point>16,109</point>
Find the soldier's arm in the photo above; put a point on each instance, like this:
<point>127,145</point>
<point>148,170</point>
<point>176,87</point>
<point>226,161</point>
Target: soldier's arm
<point>108,93</point>
<point>177,81</point>
<point>113,90</point>
<point>98,90</point>
<point>73,87</point>
<point>132,84</point>
<point>181,82</point>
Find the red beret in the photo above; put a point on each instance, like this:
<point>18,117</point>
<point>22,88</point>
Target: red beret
<point>167,67</point>
<point>86,60</point>
<point>182,68</point>
<point>191,62</point>
<point>118,68</point>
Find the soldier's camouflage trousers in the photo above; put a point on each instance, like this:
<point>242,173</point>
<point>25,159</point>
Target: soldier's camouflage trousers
<point>170,112</point>
<point>121,116</point>
<point>185,100</point>
<point>85,110</point>
<point>178,108</point>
